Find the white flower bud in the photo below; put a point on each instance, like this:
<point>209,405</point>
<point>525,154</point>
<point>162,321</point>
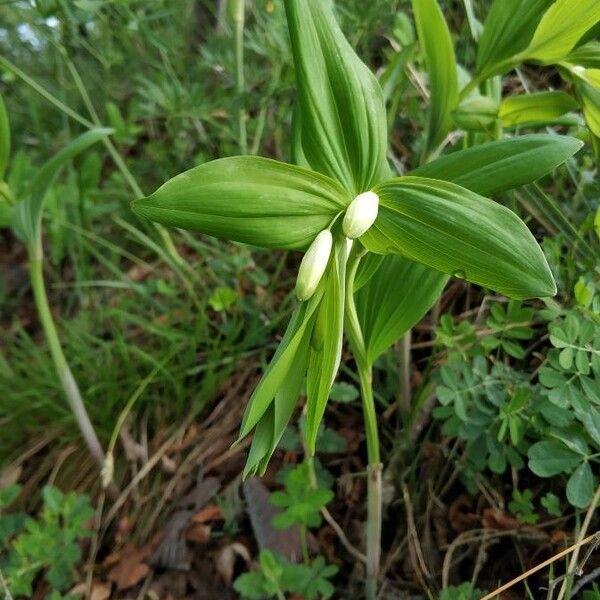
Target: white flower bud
<point>361,214</point>
<point>313,265</point>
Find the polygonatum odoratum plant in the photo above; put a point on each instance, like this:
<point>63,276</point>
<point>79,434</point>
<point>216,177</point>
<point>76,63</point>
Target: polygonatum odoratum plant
<point>378,248</point>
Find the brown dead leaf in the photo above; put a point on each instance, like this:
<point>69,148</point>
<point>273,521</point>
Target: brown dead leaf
<point>198,533</point>
<point>496,519</point>
<point>559,537</point>
<point>225,561</point>
<point>211,512</point>
<point>128,564</point>
<point>98,590</point>
<point>460,515</point>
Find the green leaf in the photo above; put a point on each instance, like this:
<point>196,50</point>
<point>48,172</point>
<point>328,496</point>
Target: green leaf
<point>326,345</point>
<point>248,199</point>
<point>366,269</point>
<point>452,230</point>
<point>549,458</point>
<point>436,45</point>
<point>538,108</point>
<point>343,130</point>
<point>343,392</point>
<point>386,309</point>
<point>580,487</point>
<point>586,55</point>
<point>281,363</point>
<point>590,100</point>
<point>27,214</point>
<point>223,298</point>
<point>502,165</point>
<point>4,139</point>
<point>561,27</point>
<point>508,28</point>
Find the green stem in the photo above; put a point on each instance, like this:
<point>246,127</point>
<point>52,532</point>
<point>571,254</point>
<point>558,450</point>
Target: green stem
<point>304,544</point>
<point>63,371</point>
<point>238,16</point>
<point>374,491</point>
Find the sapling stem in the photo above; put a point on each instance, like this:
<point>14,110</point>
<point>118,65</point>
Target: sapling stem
<point>374,490</point>
<point>63,371</point>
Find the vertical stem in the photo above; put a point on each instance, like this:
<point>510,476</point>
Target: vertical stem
<point>374,492</point>
<point>63,371</point>
<point>404,355</point>
<point>304,544</point>
<point>238,16</point>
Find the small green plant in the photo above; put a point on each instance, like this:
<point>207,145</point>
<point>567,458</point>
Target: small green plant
<point>522,507</point>
<point>24,216</point>
<point>302,500</point>
<point>276,577</point>
<point>49,544</point>
<point>464,591</point>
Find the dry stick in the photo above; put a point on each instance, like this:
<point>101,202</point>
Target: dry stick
<point>595,537</point>
<point>420,566</point>
<point>584,528</point>
<point>340,533</point>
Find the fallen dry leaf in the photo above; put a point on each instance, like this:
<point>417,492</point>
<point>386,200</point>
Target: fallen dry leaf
<point>128,566</point>
<point>211,512</point>
<point>198,533</point>
<point>98,590</point>
<point>496,519</point>
<point>460,515</point>
<point>225,561</point>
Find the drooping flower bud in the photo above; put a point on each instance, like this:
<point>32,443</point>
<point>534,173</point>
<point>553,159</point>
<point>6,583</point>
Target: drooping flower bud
<point>361,214</point>
<point>313,265</point>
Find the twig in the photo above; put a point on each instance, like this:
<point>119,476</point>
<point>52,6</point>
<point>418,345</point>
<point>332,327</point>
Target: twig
<point>584,529</point>
<point>7,594</point>
<point>585,580</point>
<point>415,551</point>
<point>340,533</point>
<point>595,538</point>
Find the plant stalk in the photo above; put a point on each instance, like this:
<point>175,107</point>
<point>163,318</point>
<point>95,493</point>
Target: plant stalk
<point>374,468</point>
<point>63,371</point>
<point>238,16</point>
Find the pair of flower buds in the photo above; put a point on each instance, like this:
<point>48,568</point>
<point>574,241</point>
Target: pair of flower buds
<point>360,215</point>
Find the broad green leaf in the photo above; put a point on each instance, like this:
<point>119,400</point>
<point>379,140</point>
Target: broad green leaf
<point>590,98</point>
<point>452,230</point>
<point>538,108</point>
<point>502,165</point>
<point>281,363</point>
<point>396,298</point>
<point>586,55</point>
<point>326,345</point>
<point>366,269</point>
<point>4,139</point>
<point>436,45</point>
<point>343,133</point>
<point>27,214</point>
<point>549,458</point>
<point>561,27</point>
<point>273,423</point>
<point>508,28</point>
<point>580,487</point>
<point>248,199</point>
